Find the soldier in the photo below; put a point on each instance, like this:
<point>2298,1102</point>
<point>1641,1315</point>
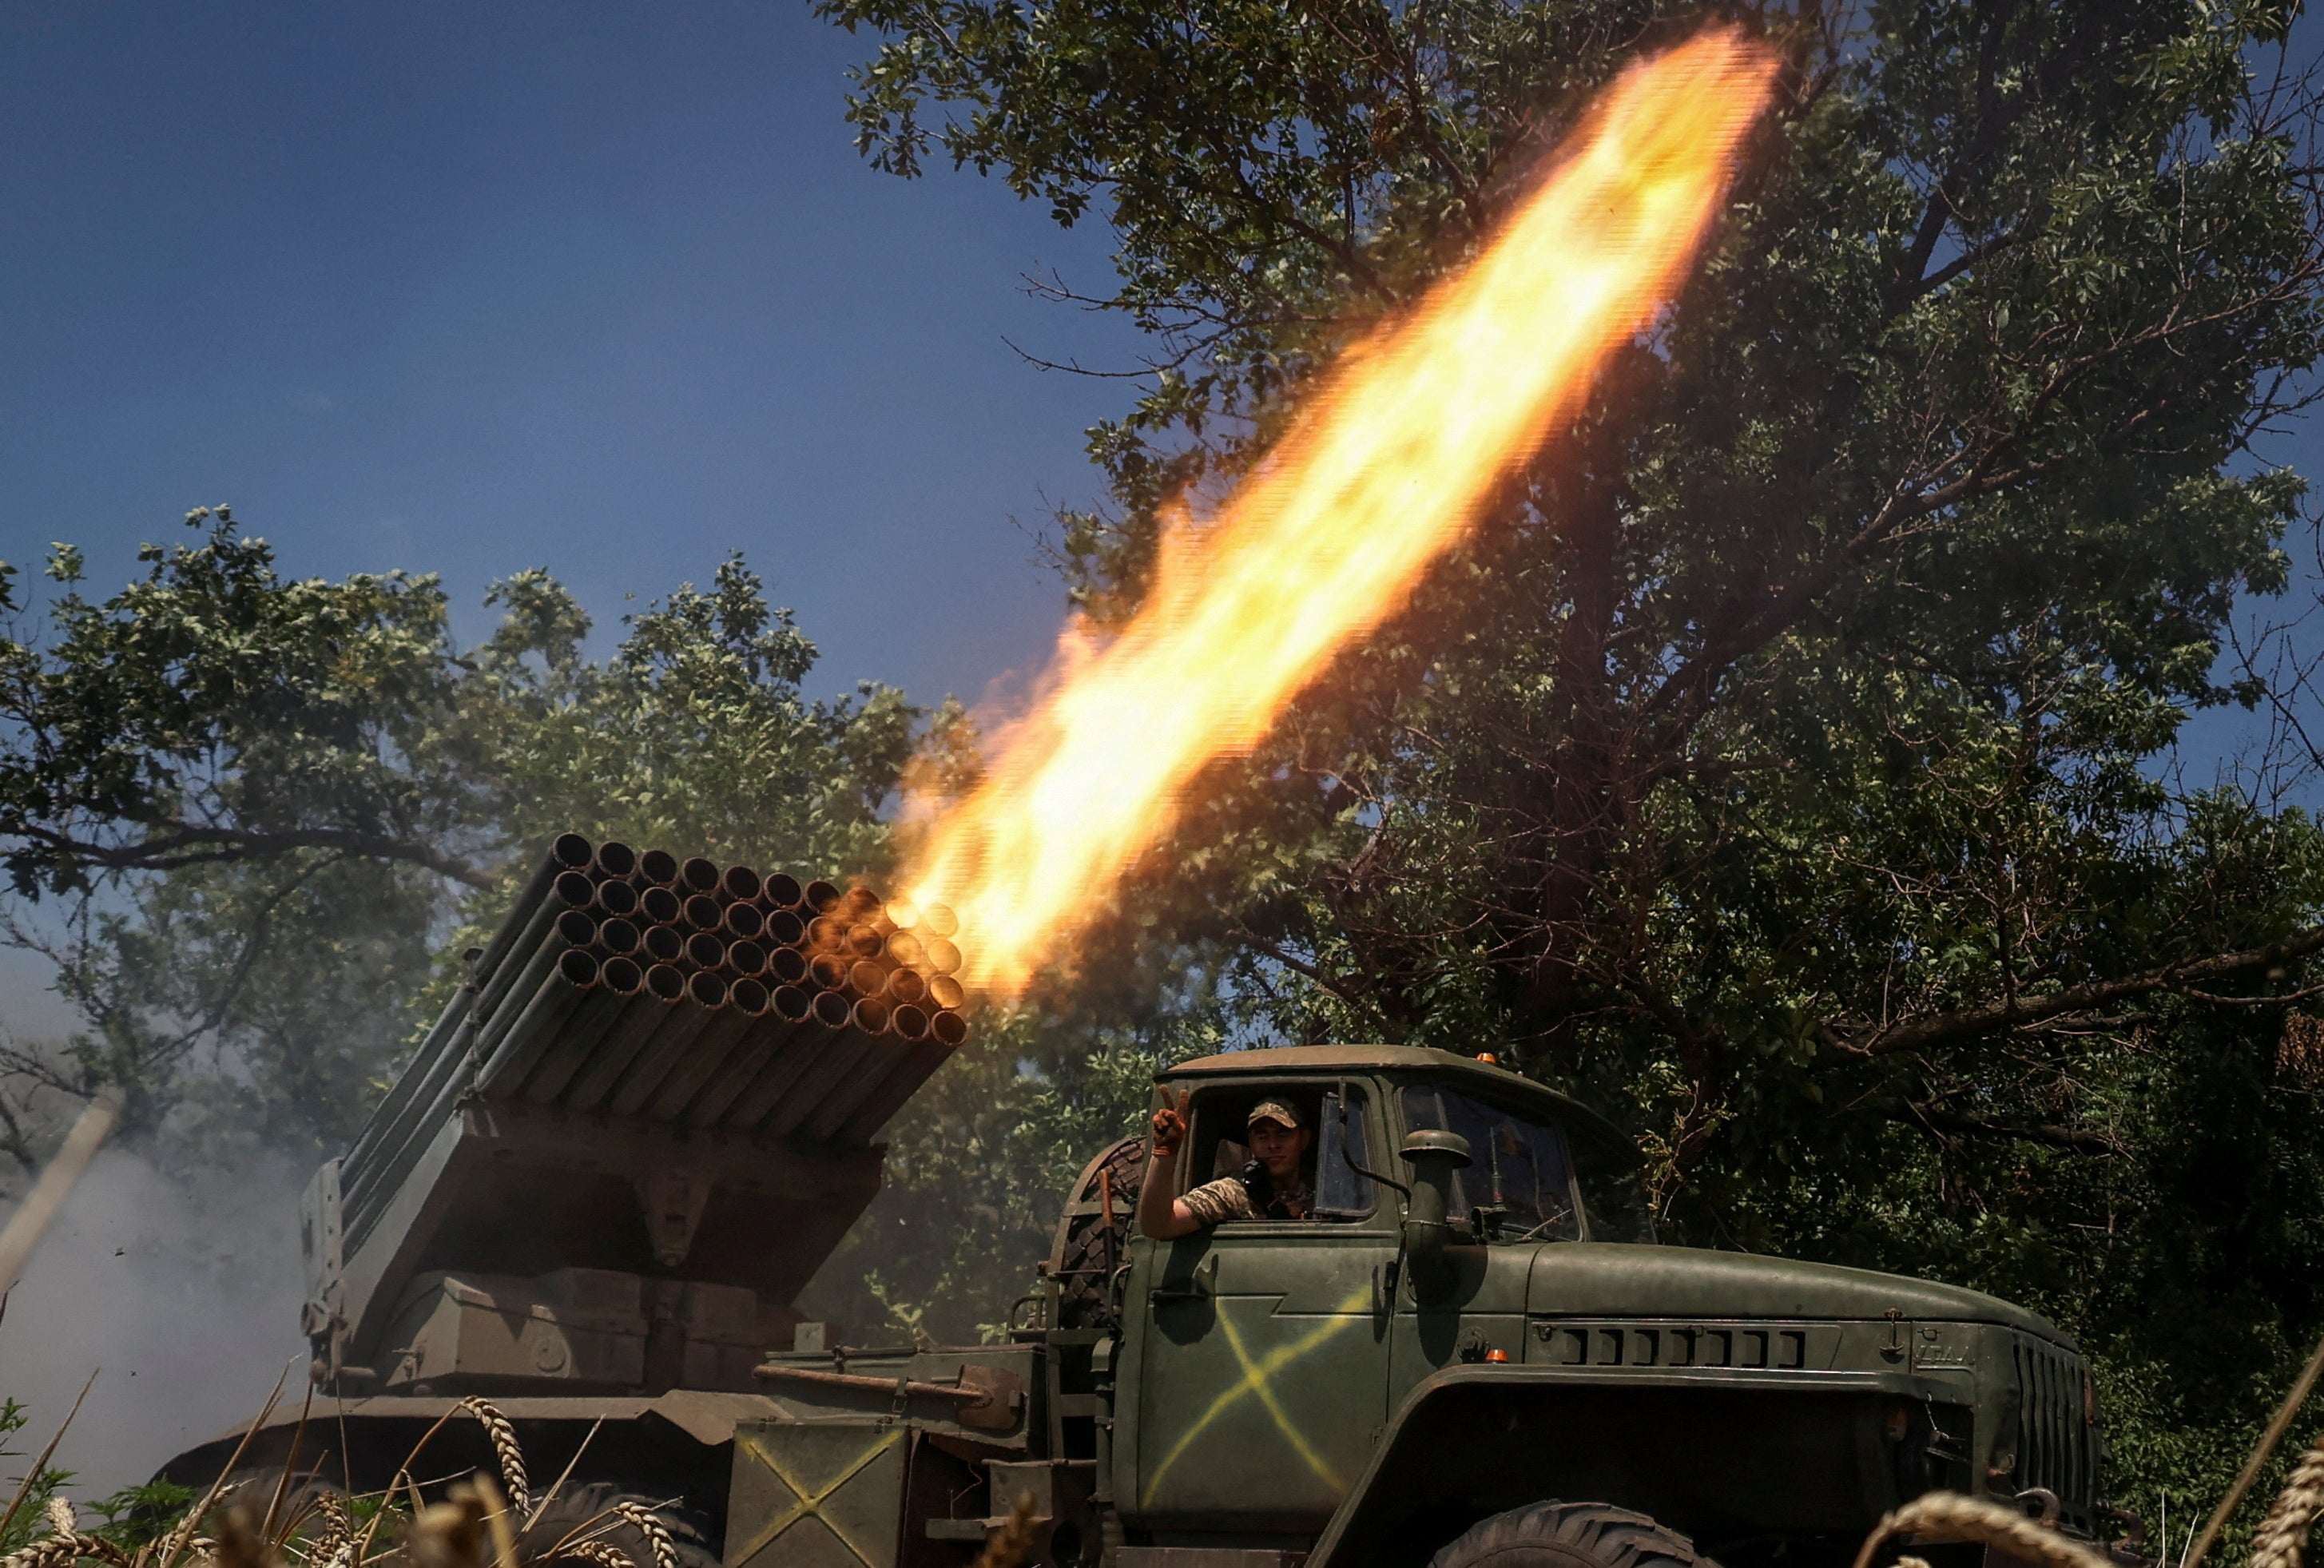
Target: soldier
<point>1273,1186</point>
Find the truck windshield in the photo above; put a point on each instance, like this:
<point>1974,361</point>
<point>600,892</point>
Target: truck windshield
<point>1522,1173</point>
<point>1518,1172</point>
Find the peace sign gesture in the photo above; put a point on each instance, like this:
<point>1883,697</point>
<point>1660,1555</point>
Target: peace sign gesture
<point>1170,1122</point>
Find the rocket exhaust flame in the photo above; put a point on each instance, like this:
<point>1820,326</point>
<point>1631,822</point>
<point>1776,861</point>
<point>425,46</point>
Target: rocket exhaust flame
<point>1386,470</point>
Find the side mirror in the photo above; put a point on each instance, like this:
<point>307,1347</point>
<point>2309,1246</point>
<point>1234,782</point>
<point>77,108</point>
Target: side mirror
<point>1434,1154</point>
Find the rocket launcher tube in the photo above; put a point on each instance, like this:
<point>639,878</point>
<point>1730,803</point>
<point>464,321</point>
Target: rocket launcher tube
<point>746,1005</point>
<point>559,994</point>
<point>619,981</point>
<point>591,1081</point>
<point>424,1061</point>
<point>844,1052</point>
<point>706,994</point>
<point>571,928</point>
<point>787,1007</point>
<point>569,891</point>
<point>898,1086</point>
<point>568,852</point>
<point>826,1013</point>
<point>509,1052</point>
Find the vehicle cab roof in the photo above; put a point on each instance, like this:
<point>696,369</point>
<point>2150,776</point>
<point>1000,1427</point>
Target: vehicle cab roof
<point>1322,1061</point>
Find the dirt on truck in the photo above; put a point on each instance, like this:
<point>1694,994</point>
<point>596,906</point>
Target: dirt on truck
<point>1472,1346</point>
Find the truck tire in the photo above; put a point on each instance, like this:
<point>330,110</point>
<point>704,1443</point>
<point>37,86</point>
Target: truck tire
<point>1554,1535</point>
<point>1084,1247</point>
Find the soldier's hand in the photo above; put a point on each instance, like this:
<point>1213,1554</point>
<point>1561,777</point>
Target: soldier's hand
<point>1170,1122</point>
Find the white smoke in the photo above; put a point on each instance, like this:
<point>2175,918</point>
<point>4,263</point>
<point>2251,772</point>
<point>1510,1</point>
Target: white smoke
<point>181,1291</point>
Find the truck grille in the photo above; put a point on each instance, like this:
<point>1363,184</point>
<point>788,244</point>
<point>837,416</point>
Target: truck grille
<point>2055,1440</point>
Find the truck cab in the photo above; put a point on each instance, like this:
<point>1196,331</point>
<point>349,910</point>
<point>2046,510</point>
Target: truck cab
<point>1478,1317</point>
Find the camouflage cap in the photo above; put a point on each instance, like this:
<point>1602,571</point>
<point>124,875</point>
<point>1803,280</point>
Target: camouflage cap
<point>1276,1110</point>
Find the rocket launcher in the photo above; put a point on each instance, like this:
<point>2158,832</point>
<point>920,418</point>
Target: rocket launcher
<point>642,1123</point>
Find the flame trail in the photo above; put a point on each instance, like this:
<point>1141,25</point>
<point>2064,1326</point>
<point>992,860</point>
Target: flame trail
<point>1384,472</point>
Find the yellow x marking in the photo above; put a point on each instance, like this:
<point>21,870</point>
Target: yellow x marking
<point>1256,1383</point>
<point>810,1503</point>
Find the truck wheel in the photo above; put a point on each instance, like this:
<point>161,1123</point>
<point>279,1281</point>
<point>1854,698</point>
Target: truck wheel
<point>1085,1248</point>
<point>1556,1535</point>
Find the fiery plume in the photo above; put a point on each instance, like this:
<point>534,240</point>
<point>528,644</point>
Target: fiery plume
<point>1385,470</point>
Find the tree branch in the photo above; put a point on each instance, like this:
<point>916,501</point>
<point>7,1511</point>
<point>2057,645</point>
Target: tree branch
<point>1969,1022</point>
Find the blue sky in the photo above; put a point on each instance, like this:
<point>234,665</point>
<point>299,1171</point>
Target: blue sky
<point>603,288</point>
<point>470,289</point>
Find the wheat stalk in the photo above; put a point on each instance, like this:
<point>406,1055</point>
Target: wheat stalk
<point>1952,1515</point>
<point>604,1553</point>
<point>2282,1538</point>
<point>513,1480</point>
<point>657,1533</point>
<point>64,1544</point>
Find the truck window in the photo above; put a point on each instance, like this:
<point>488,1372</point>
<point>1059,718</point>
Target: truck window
<point>1519,1164</point>
<point>1613,1195</point>
<point>1215,1146</point>
<point>1341,1194</point>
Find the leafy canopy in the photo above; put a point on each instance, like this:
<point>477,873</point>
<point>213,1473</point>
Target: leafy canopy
<point>1788,758</point>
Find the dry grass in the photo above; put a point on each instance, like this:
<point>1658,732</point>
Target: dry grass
<point>479,1523</point>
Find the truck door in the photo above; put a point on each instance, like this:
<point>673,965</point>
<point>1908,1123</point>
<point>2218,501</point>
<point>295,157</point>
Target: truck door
<point>1258,1350</point>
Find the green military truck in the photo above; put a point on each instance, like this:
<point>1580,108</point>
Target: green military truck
<point>1475,1349</point>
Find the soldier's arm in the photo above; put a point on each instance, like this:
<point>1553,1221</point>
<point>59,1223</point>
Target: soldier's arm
<point>1162,1214</point>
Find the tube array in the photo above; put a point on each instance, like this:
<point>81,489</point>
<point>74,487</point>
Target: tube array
<point>637,984</point>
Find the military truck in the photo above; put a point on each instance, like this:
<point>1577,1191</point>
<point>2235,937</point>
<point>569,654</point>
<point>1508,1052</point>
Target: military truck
<point>1475,1345</point>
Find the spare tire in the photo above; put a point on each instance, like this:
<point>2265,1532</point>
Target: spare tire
<point>1087,1248</point>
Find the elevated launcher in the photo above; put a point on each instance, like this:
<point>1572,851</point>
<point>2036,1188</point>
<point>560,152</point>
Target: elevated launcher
<point>642,1122</point>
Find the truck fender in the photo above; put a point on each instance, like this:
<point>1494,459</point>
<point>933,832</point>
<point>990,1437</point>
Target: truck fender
<point>1689,1446</point>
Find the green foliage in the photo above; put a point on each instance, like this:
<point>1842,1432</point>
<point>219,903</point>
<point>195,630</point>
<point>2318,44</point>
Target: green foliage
<point>137,1517</point>
<point>243,813</point>
<point>1784,761</point>
<point>29,1492</point>
<point>978,1164</point>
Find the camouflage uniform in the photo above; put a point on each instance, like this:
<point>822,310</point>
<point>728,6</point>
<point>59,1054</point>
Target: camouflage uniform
<point>1215,1202</point>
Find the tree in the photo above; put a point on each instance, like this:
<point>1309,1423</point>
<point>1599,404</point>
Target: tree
<point>1783,761</point>
<point>241,812</point>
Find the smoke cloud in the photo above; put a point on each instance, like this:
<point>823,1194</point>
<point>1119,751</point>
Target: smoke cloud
<point>180,1290</point>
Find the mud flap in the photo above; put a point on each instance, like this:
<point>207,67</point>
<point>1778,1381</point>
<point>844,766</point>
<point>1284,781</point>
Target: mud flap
<point>823,1494</point>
